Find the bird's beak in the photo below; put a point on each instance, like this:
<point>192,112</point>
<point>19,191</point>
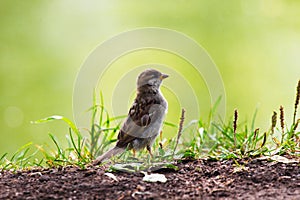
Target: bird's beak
<point>163,76</point>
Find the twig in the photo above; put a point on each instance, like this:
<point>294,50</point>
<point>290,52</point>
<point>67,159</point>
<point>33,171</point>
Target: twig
<point>296,125</point>
<point>179,129</point>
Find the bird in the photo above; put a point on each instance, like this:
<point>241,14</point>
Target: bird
<point>145,117</point>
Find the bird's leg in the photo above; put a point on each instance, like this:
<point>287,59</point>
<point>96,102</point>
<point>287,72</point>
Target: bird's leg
<point>133,151</point>
<point>160,135</point>
<point>149,150</point>
<point>160,143</point>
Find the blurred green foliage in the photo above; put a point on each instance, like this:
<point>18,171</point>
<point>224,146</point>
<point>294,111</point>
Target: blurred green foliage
<point>255,45</point>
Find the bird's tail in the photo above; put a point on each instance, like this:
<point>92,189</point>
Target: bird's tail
<point>112,152</point>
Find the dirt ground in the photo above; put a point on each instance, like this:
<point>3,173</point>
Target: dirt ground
<point>200,179</point>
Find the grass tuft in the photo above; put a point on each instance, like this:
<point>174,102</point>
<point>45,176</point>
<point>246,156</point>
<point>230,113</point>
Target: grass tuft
<point>216,140</point>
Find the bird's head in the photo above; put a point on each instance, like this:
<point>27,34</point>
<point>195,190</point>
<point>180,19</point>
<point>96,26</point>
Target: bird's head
<point>150,78</point>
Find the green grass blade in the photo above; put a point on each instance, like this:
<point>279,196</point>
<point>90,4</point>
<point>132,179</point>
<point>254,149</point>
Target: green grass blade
<point>59,149</point>
<point>2,157</point>
<point>213,109</point>
<point>253,120</point>
<point>101,108</point>
<point>77,148</point>
<point>58,117</point>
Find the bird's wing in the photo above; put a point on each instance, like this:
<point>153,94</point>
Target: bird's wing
<point>140,121</point>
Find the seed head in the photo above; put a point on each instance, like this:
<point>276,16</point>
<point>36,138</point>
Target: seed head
<point>235,125</point>
<point>296,101</point>
<point>282,119</point>
<point>274,120</point>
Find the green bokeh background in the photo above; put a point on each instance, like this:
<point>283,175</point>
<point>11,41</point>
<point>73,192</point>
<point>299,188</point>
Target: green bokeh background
<point>255,44</point>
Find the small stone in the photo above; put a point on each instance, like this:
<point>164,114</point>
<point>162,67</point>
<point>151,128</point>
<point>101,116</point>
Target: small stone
<point>44,178</point>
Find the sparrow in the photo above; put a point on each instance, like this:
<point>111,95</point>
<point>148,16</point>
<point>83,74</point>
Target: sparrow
<point>145,117</point>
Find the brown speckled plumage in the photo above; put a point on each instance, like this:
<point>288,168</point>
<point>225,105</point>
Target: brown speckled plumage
<point>145,117</point>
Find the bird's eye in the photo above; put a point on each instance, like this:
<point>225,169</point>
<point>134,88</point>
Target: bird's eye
<point>152,81</point>
<point>151,76</point>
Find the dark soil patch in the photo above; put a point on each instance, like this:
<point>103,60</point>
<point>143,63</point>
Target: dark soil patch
<point>201,179</point>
